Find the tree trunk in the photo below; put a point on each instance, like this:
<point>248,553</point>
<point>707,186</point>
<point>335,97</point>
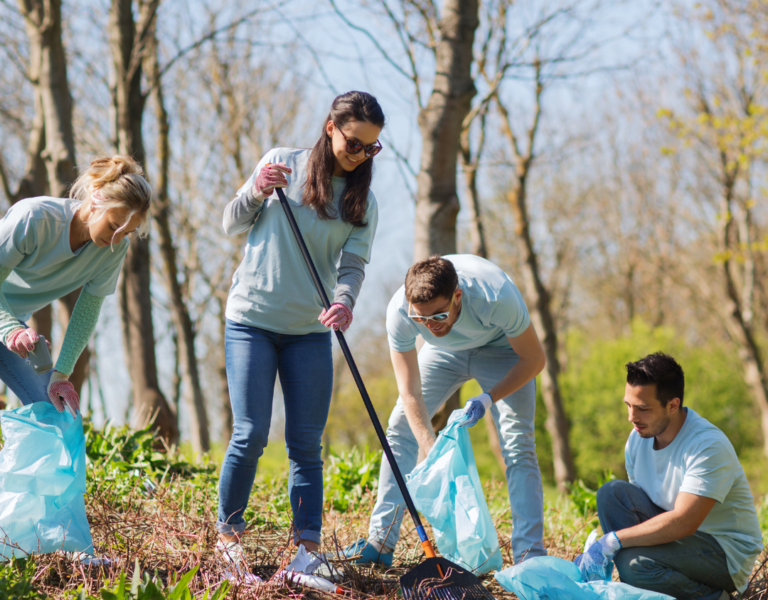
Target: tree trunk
<point>193,395</point>
<point>126,46</point>
<point>469,164</point>
<point>221,369</point>
<point>544,323</point>
<point>737,307</point>
<point>59,154</point>
<point>52,136</point>
<point>440,122</point>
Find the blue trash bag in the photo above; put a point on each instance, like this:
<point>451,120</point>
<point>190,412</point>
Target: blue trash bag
<point>552,578</point>
<point>446,490</point>
<point>42,482</point>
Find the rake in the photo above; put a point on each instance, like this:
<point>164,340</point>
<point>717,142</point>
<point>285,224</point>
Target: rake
<point>435,578</point>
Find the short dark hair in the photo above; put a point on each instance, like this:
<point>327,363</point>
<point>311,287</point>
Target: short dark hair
<point>663,371</point>
<point>429,279</point>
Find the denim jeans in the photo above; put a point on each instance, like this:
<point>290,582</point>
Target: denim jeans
<point>254,357</point>
<point>692,567</point>
<point>442,373</point>
<point>21,378</point>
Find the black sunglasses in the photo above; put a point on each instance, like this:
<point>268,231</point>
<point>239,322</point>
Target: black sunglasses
<point>353,146</point>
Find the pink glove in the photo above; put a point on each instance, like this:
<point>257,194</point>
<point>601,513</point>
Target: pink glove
<point>336,317</point>
<point>62,394</point>
<point>270,177</point>
<point>21,341</point>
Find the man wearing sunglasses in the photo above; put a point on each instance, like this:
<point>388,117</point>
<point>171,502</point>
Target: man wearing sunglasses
<point>475,325</point>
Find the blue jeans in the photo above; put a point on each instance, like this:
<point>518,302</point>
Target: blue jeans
<point>692,567</point>
<point>442,373</point>
<point>21,378</point>
<point>254,357</point>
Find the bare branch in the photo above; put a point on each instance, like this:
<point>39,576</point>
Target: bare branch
<point>373,40</point>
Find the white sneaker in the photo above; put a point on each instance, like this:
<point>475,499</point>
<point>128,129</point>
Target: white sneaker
<point>232,554</point>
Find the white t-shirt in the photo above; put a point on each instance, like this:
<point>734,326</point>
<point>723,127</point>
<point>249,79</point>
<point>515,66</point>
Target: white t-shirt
<point>702,461</point>
<point>492,310</point>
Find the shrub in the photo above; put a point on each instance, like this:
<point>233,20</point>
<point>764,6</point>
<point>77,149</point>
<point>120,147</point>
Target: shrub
<point>349,475</point>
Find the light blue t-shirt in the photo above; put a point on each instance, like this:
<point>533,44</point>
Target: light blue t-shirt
<point>492,310</point>
<point>701,461</point>
<point>34,242</point>
<point>272,288</point>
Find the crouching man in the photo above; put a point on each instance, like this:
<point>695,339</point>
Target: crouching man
<point>685,524</point>
<point>475,325</point>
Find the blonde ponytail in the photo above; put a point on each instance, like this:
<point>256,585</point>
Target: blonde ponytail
<point>118,182</point>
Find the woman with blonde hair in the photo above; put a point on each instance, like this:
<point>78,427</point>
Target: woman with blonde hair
<point>50,247</point>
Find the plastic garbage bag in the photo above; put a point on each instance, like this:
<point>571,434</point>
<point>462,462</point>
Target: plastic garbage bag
<point>42,482</point>
<point>552,578</point>
<point>446,490</point>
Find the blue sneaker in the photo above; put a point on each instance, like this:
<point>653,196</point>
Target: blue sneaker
<point>367,554</point>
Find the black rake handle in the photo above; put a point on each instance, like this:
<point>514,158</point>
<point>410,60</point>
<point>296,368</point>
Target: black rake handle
<point>351,362</point>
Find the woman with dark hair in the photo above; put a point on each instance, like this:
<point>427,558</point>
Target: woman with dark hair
<point>272,311</point>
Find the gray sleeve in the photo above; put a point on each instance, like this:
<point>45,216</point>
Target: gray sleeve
<point>351,275</point>
<point>242,211</point>
<point>8,322</point>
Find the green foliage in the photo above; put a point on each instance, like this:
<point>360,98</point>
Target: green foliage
<point>585,498</point>
<point>152,588</point>
<point>137,451</point>
<point>349,475</point>
<point>16,577</point>
<point>121,459</point>
<point>762,516</point>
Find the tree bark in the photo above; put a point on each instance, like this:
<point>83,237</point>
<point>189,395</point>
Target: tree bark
<point>221,369</point>
<point>52,143</point>
<point>127,44</point>
<point>440,122</point>
<point>737,307</point>
<point>543,321</point>
<point>190,374</point>
<point>541,309</point>
<point>469,164</point>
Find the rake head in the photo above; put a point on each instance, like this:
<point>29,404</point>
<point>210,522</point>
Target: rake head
<point>440,579</point>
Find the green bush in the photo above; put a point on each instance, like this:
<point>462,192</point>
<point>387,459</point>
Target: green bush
<point>585,498</point>
<point>16,580</point>
<point>348,475</point>
<point>762,516</point>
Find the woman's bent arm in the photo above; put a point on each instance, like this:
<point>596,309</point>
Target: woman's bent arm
<point>351,275</point>
<point>81,326</point>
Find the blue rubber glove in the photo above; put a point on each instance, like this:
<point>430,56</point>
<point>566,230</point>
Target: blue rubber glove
<point>597,562</point>
<point>475,409</point>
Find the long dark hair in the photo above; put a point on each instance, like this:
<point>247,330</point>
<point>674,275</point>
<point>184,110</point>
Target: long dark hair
<point>352,106</point>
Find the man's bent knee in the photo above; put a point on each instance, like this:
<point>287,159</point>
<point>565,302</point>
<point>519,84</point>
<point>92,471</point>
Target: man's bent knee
<point>636,569</point>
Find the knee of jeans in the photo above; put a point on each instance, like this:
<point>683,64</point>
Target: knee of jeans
<point>608,494</point>
<point>637,570</point>
<point>305,454</point>
<point>248,442</point>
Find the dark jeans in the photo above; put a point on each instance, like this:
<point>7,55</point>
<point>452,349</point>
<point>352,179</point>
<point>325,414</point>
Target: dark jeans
<point>692,567</point>
<point>254,358</point>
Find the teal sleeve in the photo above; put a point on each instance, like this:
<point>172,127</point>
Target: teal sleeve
<point>79,331</point>
<point>8,322</point>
